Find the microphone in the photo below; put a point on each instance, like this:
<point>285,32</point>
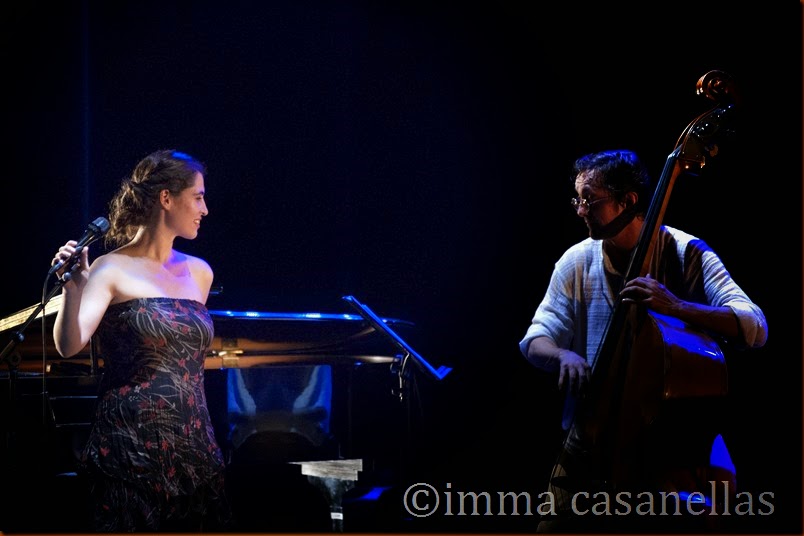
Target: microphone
<point>95,230</point>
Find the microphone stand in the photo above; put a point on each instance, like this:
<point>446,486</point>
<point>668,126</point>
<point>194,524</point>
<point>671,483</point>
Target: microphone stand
<point>12,359</point>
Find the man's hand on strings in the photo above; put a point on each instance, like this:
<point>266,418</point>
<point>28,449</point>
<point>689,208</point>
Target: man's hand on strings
<point>574,372</point>
<point>650,293</point>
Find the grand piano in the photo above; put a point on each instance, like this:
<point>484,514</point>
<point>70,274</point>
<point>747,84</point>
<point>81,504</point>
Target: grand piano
<point>281,388</point>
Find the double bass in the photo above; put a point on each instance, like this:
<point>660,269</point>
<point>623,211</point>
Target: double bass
<point>646,416</point>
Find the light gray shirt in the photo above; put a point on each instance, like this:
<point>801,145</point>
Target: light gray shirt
<point>580,298</point>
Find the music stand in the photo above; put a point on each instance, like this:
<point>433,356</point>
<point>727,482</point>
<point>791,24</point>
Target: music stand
<point>409,353</point>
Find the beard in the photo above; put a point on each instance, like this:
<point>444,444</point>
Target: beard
<point>613,228</point>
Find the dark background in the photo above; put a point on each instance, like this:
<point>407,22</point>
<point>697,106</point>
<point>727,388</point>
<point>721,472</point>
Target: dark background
<point>416,155</point>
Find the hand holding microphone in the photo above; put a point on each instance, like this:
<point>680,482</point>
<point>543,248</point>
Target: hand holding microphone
<point>71,253</point>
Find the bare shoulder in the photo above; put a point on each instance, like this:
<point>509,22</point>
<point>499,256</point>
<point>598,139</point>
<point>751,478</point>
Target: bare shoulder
<point>107,273</point>
<point>110,262</point>
<point>198,265</point>
<point>201,271</point>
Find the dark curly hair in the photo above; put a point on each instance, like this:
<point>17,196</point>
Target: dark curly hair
<point>619,172</point>
<point>133,204</point>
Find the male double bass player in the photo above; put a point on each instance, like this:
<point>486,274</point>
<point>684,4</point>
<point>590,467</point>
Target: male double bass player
<point>687,281</point>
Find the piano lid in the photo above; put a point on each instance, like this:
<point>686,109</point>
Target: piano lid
<point>52,307</point>
<point>20,317</point>
<point>259,337</point>
<point>243,339</point>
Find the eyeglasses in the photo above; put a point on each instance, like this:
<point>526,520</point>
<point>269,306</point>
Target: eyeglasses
<point>580,202</point>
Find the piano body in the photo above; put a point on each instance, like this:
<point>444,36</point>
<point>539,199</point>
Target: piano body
<point>281,387</point>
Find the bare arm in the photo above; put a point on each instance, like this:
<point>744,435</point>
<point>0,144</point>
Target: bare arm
<point>84,300</point>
